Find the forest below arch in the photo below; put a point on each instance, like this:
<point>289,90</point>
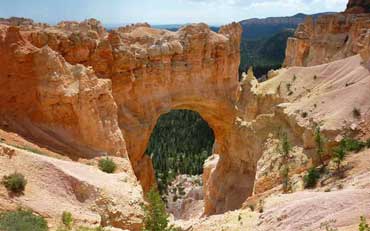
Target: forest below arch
<point>179,144</point>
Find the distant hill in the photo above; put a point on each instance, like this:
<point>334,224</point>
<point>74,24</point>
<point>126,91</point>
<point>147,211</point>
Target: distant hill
<point>264,41</point>
<point>175,27</point>
<point>255,28</point>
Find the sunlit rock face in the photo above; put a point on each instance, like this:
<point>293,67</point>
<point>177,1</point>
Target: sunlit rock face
<point>331,37</point>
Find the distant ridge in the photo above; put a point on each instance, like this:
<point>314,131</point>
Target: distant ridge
<point>256,28</point>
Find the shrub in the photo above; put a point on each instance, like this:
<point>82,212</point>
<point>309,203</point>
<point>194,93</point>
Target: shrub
<point>363,226</point>
<point>22,220</point>
<point>339,154</point>
<point>320,142</point>
<point>356,113</point>
<point>155,216</point>
<point>107,165</point>
<point>304,114</point>
<point>352,145</point>
<point>67,219</point>
<point>315,77</point>
<point>368,143</point>
<point>15,182</point>
<point>310,179</point>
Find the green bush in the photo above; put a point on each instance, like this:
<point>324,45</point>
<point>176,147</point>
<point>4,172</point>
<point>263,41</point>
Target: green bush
<point>350,144</point>
<point>155,216</point>
<point>363,226</point>
<point>22,220</point>
<point>310,179</point>
<point>67,219</point>
<point>15,182</point>
<point>107,165</point>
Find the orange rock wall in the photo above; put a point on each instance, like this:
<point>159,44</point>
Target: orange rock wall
<point>330,38</point>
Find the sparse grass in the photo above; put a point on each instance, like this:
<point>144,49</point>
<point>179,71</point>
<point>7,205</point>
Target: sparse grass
<point>27,148</point>
<point>328,225</point>
<point>15,182</point>
<point>356,113</point>
<point>310,179</point>
<point>22,220</point>
<point>107,165</point>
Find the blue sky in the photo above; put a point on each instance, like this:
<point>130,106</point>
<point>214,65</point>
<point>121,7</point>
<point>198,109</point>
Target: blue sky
<point>213,12</point>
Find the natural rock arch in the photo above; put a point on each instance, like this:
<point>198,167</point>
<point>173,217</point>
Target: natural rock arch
<point>201,75</point>
<point>152,72</point>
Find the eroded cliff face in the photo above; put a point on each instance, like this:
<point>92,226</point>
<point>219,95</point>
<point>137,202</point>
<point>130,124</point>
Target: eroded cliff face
<point>67,109</point>
<point>330,38</point>
<point>63,106</point>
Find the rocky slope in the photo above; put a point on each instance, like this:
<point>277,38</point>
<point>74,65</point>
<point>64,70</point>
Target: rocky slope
<point>341,199</point>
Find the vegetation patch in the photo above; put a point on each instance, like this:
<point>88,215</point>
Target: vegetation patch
<point>352,145</point>
<point>107,165</point>
<point>180,143</point>
<point>15,182</point>
<point>311,178</point>
<point>22,220</point>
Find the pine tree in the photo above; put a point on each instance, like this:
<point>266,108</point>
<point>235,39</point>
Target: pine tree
<point>284,150</point>
<point>320,142</point>
<point>156,218</point>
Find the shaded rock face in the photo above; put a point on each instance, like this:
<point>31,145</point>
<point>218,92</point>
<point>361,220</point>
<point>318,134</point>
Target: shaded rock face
<point>329,38</point>
<point>358,6</point>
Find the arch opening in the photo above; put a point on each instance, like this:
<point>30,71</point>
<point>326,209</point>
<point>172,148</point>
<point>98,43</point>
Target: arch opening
<point>179,144</point>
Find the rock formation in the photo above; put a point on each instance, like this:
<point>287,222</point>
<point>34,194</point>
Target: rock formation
<point>84,93</point>
<point>145,67</point>
<point>358,6</point>
<point>329,38</point>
